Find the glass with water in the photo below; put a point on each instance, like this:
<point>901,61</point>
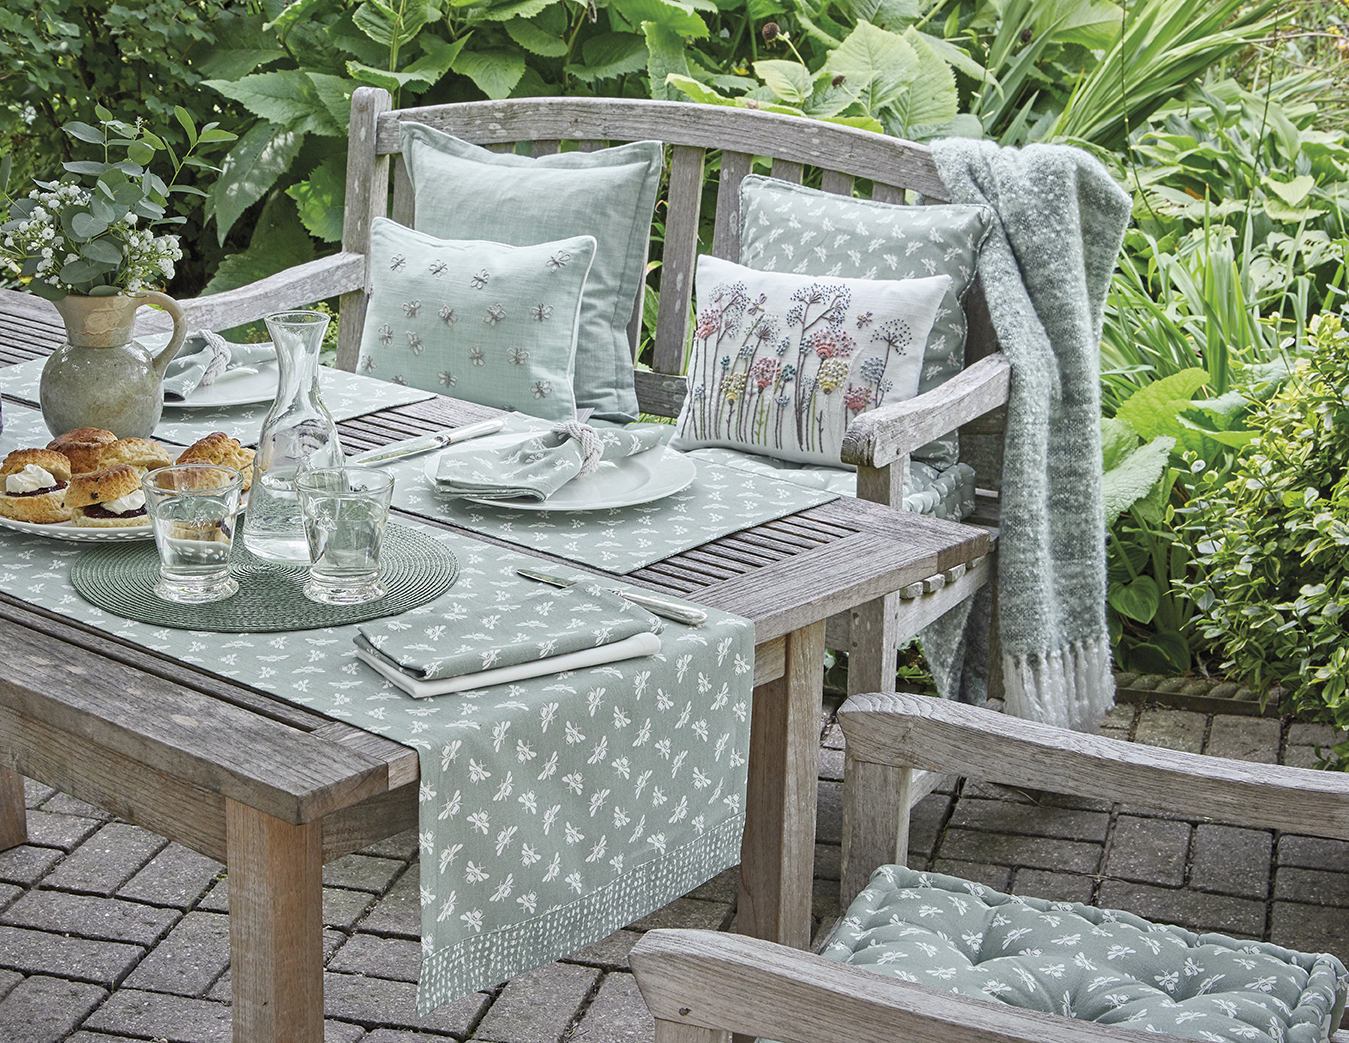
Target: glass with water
<point>345,511</point>
<point>192,509</point>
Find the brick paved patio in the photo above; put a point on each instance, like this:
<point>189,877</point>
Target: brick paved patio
<point>108,933</point>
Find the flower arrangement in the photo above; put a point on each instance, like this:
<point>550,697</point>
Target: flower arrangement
<point>95,239</point>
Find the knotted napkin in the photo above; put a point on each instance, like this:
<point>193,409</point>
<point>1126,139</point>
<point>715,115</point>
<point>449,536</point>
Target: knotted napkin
<point>204,356</point>
<point>544,630</point>
<point>542,464</point>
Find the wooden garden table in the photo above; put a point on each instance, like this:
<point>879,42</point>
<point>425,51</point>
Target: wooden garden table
<point>274,790</point>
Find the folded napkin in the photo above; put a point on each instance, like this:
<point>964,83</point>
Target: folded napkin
<point>540,630</point>
<point>204,356</point>
<point>539,466</point>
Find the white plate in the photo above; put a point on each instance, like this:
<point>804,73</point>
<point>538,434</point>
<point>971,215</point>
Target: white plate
<point>647,476</point>
<point>243,387</point>
<point>78,534</point>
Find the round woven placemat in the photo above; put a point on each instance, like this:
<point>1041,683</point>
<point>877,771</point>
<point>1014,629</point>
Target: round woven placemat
<point>121,578</point>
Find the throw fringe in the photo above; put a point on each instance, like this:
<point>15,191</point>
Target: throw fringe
<point>1071,686</point>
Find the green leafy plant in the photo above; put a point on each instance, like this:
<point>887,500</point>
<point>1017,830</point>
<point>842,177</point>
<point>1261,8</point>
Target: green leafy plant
<point>1273,539</point>
<point>95,239</point>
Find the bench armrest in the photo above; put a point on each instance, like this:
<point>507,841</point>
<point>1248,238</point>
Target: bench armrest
<point>911,731</point>
<point>294,288</point>
<point>880,436</point>
<point>710,981</point>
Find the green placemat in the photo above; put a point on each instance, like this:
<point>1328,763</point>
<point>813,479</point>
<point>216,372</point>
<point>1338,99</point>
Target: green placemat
<point>121,579</point>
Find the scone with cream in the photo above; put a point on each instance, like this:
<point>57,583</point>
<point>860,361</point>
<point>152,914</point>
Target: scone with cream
<point>140,453</point>
<point>108,498</point>
<point>220,448</point>
<point>34,484</point>
<point>81,447</point>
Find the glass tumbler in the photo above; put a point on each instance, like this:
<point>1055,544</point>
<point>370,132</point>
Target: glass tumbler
<point>192,508</point>
<point>345,510</point>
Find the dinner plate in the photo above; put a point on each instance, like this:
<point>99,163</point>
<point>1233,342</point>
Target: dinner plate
<point>245,386</point>
<point>78,534</point>
<point>640,478</point>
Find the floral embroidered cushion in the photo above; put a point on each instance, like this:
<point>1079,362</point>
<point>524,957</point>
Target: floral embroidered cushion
<point>462,191</point>
<point>485,322</point>
<point>791,228</point>
<point>1094,964</point>
<point>780,363</point>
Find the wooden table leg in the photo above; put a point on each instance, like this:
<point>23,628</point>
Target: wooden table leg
<point>13,817</point>
<point>777,854</point>
<point>276,927</point>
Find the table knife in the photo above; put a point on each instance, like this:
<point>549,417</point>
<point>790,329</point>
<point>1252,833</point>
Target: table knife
<point>426,443</point>
<point>661,607</point>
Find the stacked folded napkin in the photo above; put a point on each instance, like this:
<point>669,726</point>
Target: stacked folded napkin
<point>204,356</point>
<point>540,465</point>
<point>540,630</point>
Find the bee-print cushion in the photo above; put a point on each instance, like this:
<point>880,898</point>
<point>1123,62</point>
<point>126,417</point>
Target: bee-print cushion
<point>782,363</point>
<point>791,228</point>
<point>1087,963</point>
<point>480,321</point>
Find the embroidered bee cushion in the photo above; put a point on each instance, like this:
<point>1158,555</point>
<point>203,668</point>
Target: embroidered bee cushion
<point>461,191</point>
<point>1094,964</point>
<point>481,321</point>
<point>780,363</point>
<point>791,228</point>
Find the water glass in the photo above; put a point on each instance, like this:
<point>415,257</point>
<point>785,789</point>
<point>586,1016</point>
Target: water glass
<point>192,508</point>
<point>345,511</point>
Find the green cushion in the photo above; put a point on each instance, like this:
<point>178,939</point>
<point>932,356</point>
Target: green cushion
<point>790,228</point>
<point>465,192</point>
<point>781,363</point>
<point>484,322</point>
<point>1088,963</point>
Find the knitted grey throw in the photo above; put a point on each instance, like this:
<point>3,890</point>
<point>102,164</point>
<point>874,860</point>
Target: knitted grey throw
<point>1046,268</point>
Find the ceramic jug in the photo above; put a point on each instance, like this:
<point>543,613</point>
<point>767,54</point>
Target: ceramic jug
<point>101,377</point>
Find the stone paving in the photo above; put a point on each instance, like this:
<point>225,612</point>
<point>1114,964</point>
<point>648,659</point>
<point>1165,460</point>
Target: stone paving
<point>109,933</point>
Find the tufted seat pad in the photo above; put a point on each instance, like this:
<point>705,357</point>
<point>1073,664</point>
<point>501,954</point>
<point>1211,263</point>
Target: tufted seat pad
<point>1082,962</point>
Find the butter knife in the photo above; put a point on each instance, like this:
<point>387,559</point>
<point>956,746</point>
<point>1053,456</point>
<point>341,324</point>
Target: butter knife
<point>426,443</point>
<point>659,606</point>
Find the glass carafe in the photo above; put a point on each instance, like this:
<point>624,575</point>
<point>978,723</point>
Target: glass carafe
<point>298,434</point>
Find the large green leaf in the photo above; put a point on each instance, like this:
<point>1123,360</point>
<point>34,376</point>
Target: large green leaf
<point>257,159</point>
<point>535,40</point>
<point>494,70</point>
<point>1138,598</point>
<point>931,98</point>
<point>279,242</point>
<point>292,14</point>
<point>1091,23</point>
<point>1153,409</point>
<point>1133,475</point>
<point>609,55</point>
<point>511,9</point>
<point>378,21</point>
<point>895,15</point>
<point>665,61</point>
<point>697,91</point>
<point>790,81</point>
<point>669,14</point>
<point>288,98</point>
<point>335,94</point>
<point>319,200</point>
<point>876,64</point>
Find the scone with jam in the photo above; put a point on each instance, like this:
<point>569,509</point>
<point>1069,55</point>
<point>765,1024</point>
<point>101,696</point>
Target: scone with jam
<point>108,498</point>
<point>34,484</point>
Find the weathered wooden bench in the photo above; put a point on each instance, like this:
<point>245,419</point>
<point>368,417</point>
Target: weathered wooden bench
<point>878,442</point>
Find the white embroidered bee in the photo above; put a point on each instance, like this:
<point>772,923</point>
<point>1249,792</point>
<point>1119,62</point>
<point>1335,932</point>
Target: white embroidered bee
<point>557,261</point>
<point>438,268</point>
<point>448,316</point>
<point>415,342</point>
<point>411,308</point>
<point>542,312</point>
<point>367,364</point>
<point>386,334</point>
<point>517,356</point>
<point>397,263</point>
<point>448,379</point>
<point>477,356</point>
<point>494,315</point>
<point>479,280</point>
<point>542,388</point>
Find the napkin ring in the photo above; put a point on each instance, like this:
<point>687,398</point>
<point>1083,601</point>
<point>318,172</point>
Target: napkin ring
<point>592,448</point>
<point>220,356</point>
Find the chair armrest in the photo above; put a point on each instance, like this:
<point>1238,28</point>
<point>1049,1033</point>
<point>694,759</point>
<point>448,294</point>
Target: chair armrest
<point>880,436</point>
<point>912,731</point>
<point>715,981</point>
<point>294,288</point>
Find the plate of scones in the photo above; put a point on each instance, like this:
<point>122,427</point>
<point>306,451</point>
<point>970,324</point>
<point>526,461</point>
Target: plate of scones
<point>85,486</point>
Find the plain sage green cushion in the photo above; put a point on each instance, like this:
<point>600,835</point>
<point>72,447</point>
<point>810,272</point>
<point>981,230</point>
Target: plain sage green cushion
<point>485,322</point>
<point>462,191</point>
<point>790,228</point>
<point>1080,961</point>
<point>781,363</point>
